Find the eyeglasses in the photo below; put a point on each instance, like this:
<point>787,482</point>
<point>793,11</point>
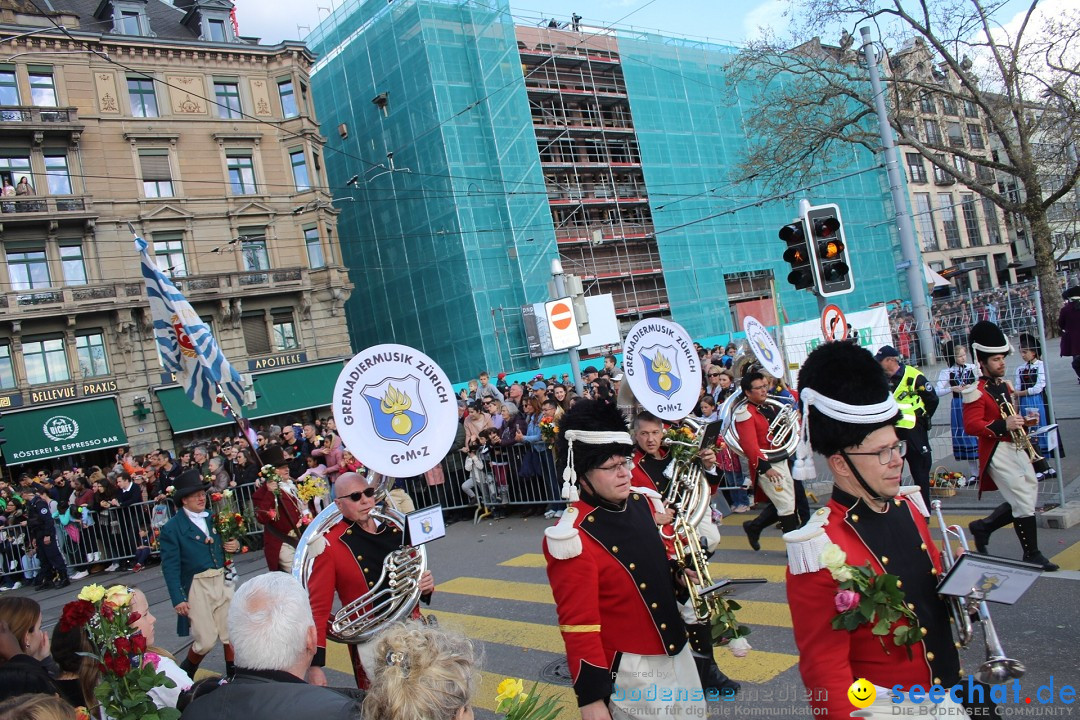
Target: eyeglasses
<point>885,455</point>
<point>355,497</point>
<point>714,374</point>
<point>624,464</point>
<point>756,388</point>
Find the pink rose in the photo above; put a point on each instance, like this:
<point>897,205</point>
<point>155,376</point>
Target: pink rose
<point>151,659</point>
<point>846,600</point>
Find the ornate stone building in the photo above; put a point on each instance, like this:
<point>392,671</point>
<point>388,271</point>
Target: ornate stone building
<point>158,115</point>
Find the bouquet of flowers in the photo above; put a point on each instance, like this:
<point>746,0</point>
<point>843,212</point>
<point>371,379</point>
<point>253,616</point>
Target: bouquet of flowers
<point>681,446</point>
<point>128,671</point>
<point>548,430</point>
<point>867,597</point>
<point>229,523</point>
<point>313,487</point>
<point>514,704</point>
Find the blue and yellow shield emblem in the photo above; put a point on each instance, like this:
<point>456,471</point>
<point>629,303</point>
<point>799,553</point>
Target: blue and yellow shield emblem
<point>988,582</point>
<point>397,412</point>
<point>660,370</point>
<point>426,526</point>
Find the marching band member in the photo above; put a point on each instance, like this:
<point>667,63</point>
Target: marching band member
<point>280,511</point>
<point>612,580</point>
<point>918,401</point>
<point>849,418</point>
<point>772,482</point>
<point>1002,464</point>
<point>951,381</point>
<point>349,564</point>
<point>1031,384</point>
<point>650,461</point>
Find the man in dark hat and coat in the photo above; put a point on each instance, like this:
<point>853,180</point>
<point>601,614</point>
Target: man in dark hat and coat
<point>279,509</point>
<point>193,564</point>
<point>1003,465</point>
<point>1069,322</point>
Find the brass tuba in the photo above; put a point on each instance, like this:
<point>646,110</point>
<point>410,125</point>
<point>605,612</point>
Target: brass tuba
<point>783,432</point>
<point>391,599</point>
<point>998,668</point>
<point>688,492</point>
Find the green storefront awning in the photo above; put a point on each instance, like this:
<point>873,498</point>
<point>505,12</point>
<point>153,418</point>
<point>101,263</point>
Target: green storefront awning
<point>282,391</point>
<point>184,415</point>
<point>59,430</point>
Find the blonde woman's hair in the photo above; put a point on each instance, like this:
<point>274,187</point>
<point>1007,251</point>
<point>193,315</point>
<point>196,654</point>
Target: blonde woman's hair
<point>421,673</point>
<point>36,707</point>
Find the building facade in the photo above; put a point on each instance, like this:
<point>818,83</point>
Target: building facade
<point>159,116</point>
<point>476,151</point>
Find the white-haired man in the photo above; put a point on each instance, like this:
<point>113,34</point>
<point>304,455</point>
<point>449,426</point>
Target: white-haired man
<point>274,639</point>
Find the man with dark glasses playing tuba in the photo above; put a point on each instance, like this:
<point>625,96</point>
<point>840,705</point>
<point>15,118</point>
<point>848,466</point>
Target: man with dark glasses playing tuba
<point>989,415</point>
<point>350,564</point>
<point>849,417</point>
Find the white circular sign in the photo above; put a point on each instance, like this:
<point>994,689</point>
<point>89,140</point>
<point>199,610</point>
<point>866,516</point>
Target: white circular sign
<point>395,410</point>
<point>60,427</point>
<point>763,346</point>
<point>663,368</point>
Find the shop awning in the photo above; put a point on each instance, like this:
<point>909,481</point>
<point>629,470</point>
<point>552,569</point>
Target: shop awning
<point>58,430</point>
<point>184,415</point>
<point>279,392</point>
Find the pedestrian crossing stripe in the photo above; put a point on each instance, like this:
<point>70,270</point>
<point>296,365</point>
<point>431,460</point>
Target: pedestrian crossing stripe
<point>754,612</point>
<point>1069,558</point>
<point>772,573</point>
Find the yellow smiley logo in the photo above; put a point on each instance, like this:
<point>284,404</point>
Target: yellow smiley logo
<point>862,693</point>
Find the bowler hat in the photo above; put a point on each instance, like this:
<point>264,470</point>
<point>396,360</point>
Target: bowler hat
<point>189,483</point>
<point>273,455</point>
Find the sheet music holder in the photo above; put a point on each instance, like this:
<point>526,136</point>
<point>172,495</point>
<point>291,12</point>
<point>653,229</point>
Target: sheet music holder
<point>424,525</point>
<point>712,432</point>
<point>729,585</point>
<point>988,577</point>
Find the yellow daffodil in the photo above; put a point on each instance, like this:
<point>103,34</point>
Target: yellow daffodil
<point>92,593</point>
<point>509,689</point>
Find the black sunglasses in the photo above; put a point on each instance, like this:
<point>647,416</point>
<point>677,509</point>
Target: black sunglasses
<point>355,497</point>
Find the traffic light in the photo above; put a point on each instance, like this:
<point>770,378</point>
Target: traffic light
<point>831,266</point>
<point>798,255</point>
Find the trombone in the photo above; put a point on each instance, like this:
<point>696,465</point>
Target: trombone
<point>997,668</point>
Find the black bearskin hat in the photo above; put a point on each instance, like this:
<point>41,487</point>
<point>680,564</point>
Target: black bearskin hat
<point>596,416</point>
<point>845,373</point>
<point>988,340</point>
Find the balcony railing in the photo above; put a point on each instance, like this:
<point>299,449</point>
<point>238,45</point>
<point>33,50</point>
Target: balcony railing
<point>31,115</point>
<point>37,207</point>
<point>48,298</point>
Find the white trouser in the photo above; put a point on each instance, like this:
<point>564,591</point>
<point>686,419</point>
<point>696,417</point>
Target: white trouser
<point>658,686</point>
<point>782,491</point>
<point>1015,477</point>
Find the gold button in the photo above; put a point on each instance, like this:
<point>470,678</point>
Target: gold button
<point>933,571</point>
<point>854,518</point>
<point>884,560</point>
<point>592,519</point>
<point>636,496</point>
<point>615,548</point>
<point>349,531</point>
<point>930,656</point>
<point>896,502</point>
<point>359,557</point>
<point>642,586</point>
<point>958,645</point>
<point>671,647</point>
<point>922,546</point>
<point>937,681</point>
<point>899,583</point>
<point>923,631</point>
<point>654,606</point>
<point>663,626</point>
<point>633,566</point>
<point>911,606</point>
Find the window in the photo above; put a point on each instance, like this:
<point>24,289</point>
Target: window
<point>924,221</point>
<point>7,370</point>
<point>284,330</point>
<point>299,170</point>
<point>254,250</point>
<point>46,361</point>
<point>42,87</point>
<point>71,260</point>
<point>961,164</point>
<point>14,168</point>
<point>216,31</point>
<point>975,137</point>
<point>9,88</point>
<point>28,269</point>
<point>926,103</point>
<point>128,23</point>
<point>949,104</point>
<point>916,168</point>
<point>288,98</point>
<point>982,275</point>
<point>169,254</point>
<point>971,222</point>
<point>314,248</point>
<point>971,110</point>
<point>990,211</point>
<point>256,337</point>
<point>142,97</point>
<point>948,217</point>
<point>227,95</point>
<point>156,173</point>
<point>56,173</point>
<point>933,134</point>
<point>940,176</point>
<point>956,135</point>
<point>91,351</point>
<point>241,173</point>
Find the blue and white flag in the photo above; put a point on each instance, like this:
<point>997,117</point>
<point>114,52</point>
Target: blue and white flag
<point>185,345</point>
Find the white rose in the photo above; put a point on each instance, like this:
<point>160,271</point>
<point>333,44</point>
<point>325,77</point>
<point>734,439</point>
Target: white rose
<point>739,647</point>
<point>833,557</point>
<point>841,574</point>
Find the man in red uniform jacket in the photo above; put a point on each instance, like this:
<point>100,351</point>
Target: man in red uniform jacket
<point>849,417</point>
<point>775,485</point>
<point>350,564</point>
<point>613,582</point>
<point>279,510</point>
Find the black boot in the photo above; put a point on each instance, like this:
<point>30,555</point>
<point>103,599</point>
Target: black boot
<point>712,679</point>
<point>789,522</point>
<point>191,663</point>
<point>1028,534</point>
<point>755,527</point>
<point>981,529</point>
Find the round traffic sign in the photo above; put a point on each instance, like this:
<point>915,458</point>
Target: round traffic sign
<point>561,317</point>
<point>833,323</point>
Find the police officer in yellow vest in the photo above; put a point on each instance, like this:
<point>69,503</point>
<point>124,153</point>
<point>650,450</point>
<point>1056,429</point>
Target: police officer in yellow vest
<point>918,401</point>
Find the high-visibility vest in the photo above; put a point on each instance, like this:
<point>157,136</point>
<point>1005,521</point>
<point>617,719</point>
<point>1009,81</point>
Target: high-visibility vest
<point>908,398</point>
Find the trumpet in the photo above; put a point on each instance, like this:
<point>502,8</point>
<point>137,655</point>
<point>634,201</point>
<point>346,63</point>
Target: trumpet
<point>1021,439</point>
<point>997,668</point>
